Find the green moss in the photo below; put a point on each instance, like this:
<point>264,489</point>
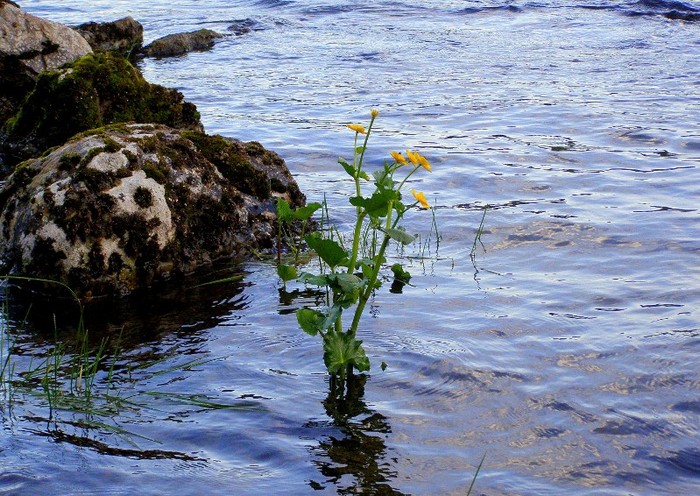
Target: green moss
<point>149,144</point>
<point>85,216</point>
<point>93,179</point>
<point>233,163</point>
<point>155,172</point>
<point>96,90</point>
<point>68,161</point>
<point>111,146</point>
<point>143,197</point>
<point>45,259</point>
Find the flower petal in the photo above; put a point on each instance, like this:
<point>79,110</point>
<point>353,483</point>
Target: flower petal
<point>400,159</point>
<point>358,128</point>
<point>420,197</point>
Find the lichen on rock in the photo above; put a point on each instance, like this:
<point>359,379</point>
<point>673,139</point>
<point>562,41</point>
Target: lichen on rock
<point>127,206</point>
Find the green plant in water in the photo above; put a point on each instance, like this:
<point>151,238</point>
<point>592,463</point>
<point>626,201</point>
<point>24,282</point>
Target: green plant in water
<point>350,274</point>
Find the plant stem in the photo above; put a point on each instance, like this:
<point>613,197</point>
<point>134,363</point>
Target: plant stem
<point>364,297</point>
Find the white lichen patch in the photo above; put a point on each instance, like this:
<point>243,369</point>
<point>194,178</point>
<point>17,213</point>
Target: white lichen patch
<point>58,189</point>
<point>75,253</point>
<point>124,194</point>
<point>111,246</point>
<point>108,162</point>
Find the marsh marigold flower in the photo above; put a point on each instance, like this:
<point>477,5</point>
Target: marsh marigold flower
<point>424,163</point>
<point>400,159</point>
<point>358,128</point>
<point>374,113</point>
<point>420,197</point>
<point>418,159</point>
<point>412,156</point>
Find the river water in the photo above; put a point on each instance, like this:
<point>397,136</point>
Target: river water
<point>563,351</point>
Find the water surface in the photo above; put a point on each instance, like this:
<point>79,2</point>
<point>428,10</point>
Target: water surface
<point>565,350</point>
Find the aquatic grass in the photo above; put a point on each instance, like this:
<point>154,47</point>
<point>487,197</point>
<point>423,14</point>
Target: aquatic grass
<point>80,383</point>
<point>206,402</point>
<point>479,232</point>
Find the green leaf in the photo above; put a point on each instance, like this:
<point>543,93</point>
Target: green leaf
<point>400,235</point>
<point>334,314</point>
<point>342,350</point>
<point>316,280</point>
<point>310,321</point>
<point>383,179</point>
<point>352,170</point>
<point>305,213</point>
<point>284,211</point>
<point>348,282</point>
<point>329,250</point>
<point>400,274</point>
<point>286,272</point>
<point>377,205</point>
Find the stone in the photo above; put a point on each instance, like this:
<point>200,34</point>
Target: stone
<point>123,35</point>
<point>28,46</point>
<point>129,206</point>
<point>179,44</point>
<point>94,91</point>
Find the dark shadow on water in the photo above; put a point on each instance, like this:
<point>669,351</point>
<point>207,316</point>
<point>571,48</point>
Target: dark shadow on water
<point>353,460</point>
<point>179,308</point>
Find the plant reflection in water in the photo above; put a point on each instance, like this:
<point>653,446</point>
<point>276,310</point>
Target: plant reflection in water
<point>359,451</point>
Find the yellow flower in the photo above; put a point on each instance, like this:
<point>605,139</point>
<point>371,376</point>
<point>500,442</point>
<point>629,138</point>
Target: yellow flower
<point>374,113</point>
<point>424,163</point>
<point>412,156</point>
<point>420,197</point>
<point>358,128</point>
<point>400,159</point>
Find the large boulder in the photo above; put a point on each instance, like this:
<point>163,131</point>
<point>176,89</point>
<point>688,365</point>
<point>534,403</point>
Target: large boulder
<point>123,35</point>
<point>127,206</point>
<point>94,91</point>
<point>28,46</point>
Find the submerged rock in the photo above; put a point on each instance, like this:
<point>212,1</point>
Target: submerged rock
<point>94,91</point>
<point>123,35</point>
<point>125,207</point>
<point>178,44</point>
<point>28,46</point>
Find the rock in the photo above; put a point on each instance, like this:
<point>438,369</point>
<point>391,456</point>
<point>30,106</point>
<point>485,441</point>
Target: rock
<point>178,44</point>
<point>124,36</point>
<point>243,26</point>
<point>94,91</point>
<point>28,46</point>
<point>127,206</point>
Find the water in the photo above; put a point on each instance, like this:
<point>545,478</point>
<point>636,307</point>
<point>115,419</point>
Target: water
<point>565,351</point>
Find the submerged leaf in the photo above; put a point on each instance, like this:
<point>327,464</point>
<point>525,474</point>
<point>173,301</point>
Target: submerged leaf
<point>342,350</point>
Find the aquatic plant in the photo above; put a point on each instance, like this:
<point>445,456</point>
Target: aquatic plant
<point>349,272</point>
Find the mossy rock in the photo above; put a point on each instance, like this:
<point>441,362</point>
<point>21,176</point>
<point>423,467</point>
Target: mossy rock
<point>120,208</point>
<point>95,90</point>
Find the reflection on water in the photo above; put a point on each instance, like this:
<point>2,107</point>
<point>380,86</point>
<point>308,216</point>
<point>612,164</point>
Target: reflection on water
<point>358,450</point>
